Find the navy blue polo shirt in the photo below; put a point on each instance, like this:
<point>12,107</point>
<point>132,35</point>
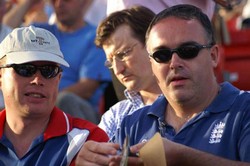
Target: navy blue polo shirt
<point>222,129</point>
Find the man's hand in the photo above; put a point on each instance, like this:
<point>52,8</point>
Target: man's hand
<point>96,153</point>
<point>132,161</point>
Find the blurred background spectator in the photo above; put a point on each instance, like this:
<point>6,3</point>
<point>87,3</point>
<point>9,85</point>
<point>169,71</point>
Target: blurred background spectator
<point>207,6</point>
<point>25,12</point>
<point>83,84</point>
<point>4,30</point>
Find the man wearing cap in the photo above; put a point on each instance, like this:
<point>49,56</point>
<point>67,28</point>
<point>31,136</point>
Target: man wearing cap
<point>32,130</point>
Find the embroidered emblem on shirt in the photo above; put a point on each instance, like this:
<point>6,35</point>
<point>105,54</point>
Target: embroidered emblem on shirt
<point>216,133</point>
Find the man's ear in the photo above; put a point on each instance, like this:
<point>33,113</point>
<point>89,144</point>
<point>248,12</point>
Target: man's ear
<point>215,55</point>
<point>60,76</point>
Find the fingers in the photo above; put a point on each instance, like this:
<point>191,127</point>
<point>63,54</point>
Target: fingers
<point>132,161</point>
<point>115,161</point>
<point>96,153</point>
<point>137,147</point>
<point>103,148</point>
<point>135,161</point>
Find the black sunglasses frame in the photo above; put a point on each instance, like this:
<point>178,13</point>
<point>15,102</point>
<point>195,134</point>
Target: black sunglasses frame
<point>28,70</point>
<point>165,55</point>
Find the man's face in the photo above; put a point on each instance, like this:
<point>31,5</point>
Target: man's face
<point>130,59</point>
<point>69,12</point>
<point>29,96</point>
<point>182,80</point>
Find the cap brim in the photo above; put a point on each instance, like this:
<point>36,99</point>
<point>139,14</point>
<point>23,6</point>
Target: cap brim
<point>31,56</point>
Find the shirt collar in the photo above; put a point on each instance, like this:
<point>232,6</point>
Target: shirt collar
<point>227,94</point>
<point>134,97</point>
<point>59,124</point>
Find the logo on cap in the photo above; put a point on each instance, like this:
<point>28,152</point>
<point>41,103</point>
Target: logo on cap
<point>39,40</point>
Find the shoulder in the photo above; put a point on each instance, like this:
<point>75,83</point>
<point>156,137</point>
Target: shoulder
<point>237,97</point>
<point>124,107</point>
<point>117,111</point>
<point>242,102</point>
<point>137,116</point>
<point>141,115</point>
<point>95,133</point>
<point>232,100</point>
<point>89,31</point>
<point>121,105</point>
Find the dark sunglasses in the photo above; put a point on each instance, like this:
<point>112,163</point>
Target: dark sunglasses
<point>188,51</point>
<point>28,70</point>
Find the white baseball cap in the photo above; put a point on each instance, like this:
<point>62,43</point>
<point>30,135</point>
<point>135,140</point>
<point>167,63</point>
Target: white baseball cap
<point>29,44</point>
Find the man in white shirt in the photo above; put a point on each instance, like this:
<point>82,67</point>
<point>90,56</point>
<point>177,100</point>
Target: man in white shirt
<point>207,6</point>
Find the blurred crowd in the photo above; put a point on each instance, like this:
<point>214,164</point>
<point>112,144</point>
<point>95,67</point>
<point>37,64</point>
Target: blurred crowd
<point>17,13</point>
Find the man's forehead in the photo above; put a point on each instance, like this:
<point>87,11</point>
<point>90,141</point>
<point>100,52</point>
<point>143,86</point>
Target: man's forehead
<point>175,30</point>
<point>112,46</point>
<point>9,61</point>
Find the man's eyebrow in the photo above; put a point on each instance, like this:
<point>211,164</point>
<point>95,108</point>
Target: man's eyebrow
<point>188,43</point>
<point>160,48</point>
<point>181,44</point>
<point>116,51</point>
<point>124,50</point>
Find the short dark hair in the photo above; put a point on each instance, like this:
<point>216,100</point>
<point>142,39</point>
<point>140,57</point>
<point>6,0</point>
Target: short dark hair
<point>187,12</point>
<point>137,18</point>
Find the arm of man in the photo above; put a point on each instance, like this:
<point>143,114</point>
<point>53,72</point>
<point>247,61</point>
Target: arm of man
<point>14,17</point>
<point>84,88</point>
<point>178,154</point>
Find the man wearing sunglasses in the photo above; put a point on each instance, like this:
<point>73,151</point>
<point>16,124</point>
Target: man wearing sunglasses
<point>204,123</point>
<point>32,130</point>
